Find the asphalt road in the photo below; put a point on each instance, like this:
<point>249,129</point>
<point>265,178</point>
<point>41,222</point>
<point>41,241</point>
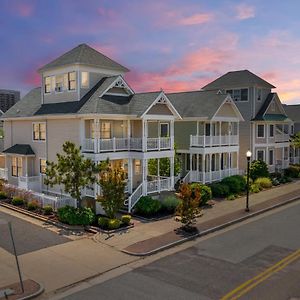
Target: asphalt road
<point>28,237</point>
<point>218,265</point>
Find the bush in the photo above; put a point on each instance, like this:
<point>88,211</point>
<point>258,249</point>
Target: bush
<point>147,206</point>
<point>235,183</point>
<point>292,171</point>
<point>258,169</point>
<point>103,222</point>
<point>205,191</point>
<point>275,181</point>
<point>75,216</point>
<point>231,197</point>
<point>48,210</point>
<point>32,205</point>
<point>219,190</point>
<point>17,201</point>
<point>289,179</point>
<point>170,203</point>
<point>264,182</point>
<point>254,188</point>
<point>126,219</point>
<point>114,224</point>
<point>3,195</point>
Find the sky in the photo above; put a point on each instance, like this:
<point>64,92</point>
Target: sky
<point>174,45</point>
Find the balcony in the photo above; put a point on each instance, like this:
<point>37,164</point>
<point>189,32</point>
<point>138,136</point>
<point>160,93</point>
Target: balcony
<point>281,138</point>
<point>30,183</point>
<point>198,176</point>
<point>213,141</point>
<point>126,144</point>
<point>158,184</point>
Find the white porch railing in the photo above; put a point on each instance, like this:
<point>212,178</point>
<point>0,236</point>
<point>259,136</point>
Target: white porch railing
<point>212,141</point>
<point>197,176</point>
<point>280,138</point>
<point>134,197</point>
<point>295,160</point>
<point>158,185</point>
<point>187,177</point>
<point>3,173</point>
<point>282,164</point>
<point>126,144</point>
<point>30,183</point>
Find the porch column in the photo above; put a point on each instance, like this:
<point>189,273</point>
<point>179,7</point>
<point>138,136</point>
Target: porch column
<point>172,161</point>
<point>191,162</point>
<point>210,166</point>
<point>203,168</point>
<point>220,169</point>
<point>128,134</point>
<point>145,176</point>
<point>130,175</point>
<point>210,133</point>
<point>220,133</point>
<point>96,133</point>
<point>229,132</point>
<point>158,174</point>
<point>145,135</point>
<point>229,162</point>
<point>26,166</point>
<point>172,134</point>
<point>282,155</point>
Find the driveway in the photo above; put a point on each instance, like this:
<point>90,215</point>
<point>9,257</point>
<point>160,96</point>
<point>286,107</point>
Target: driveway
<point>28,237</point>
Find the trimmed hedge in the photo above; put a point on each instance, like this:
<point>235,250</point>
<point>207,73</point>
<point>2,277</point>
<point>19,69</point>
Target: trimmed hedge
<point>76,216</point>
<point>17,201</point>
<point>292,171</point>
<point>48,210</point>
<point>219,190</point>
<point>147,206</point>
<point>3,195</point>
<point>114,224</point>
<point>126,219</point>
<point>235,183</point>
<point>170,203</point>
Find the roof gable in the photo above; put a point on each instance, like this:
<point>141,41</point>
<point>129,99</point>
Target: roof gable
<point>84,55</point>
<point>238,79</point>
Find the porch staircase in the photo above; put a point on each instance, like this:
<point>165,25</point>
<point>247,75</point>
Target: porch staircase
<point>133,199</point>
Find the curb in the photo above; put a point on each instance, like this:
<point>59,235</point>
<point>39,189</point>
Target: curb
<point>213,229</point>
<point>37,293</point>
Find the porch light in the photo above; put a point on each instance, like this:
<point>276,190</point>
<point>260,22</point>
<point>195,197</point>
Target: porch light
<point>248,154</point>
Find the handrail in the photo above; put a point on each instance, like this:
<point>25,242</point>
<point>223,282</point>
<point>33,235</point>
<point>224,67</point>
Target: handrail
<point>134,197</point>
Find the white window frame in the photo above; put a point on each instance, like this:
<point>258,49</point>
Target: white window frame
<point>19,169</point>
<point>271,136</point>
<point>264,154</point>
<point>137,167</point>
<point>110,129</point>
<point>88,80</point>
<point>69,82</point>
<point>39,139</point>
<point>235,89</point>
<point>40,169</point>
<point>273,157</point>
<point>168,125</point>
<point>51,83</point>
<point>260,137</point>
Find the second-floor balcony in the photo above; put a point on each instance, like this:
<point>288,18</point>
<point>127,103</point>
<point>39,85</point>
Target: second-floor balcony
<point>213,141</point>
<point>126,144</point>
<point>283,137</point>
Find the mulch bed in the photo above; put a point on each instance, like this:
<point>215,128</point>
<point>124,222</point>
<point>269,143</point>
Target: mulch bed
<point>31,288</point>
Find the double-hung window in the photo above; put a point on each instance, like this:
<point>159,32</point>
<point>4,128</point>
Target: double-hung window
<point>72,81</point>
<point>260,155</point>
<point>260,131</point>
<point>84,80</point>
<point>271,130</point>
<point>238,94</point>
<point>59,83</point>
<point>43,166</point>
<point>39,131</point>
<point>271,157</point>
<point>164,129</point>
<point>105,132</point>
<point>16,166</point>
<point>48,83</point>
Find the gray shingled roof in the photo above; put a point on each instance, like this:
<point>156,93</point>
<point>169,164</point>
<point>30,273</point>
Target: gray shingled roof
<point>293,112</point>
<point>197,103</point>
<point>84,55</point>
<point>21,149</point>
<point>237,79</point>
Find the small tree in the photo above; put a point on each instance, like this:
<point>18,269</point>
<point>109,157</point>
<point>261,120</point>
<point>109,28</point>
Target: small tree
<point>164,166</point>
<point>189,206</point>
<point>112,182</point>
<point>296,140</point>
<point>72,170</point>
<point>258,168</point>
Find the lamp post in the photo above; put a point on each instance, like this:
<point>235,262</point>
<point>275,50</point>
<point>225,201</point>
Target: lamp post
<point>248,154</point>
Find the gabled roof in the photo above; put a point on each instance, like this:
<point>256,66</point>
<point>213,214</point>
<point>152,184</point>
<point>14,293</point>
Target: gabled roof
<point>262,113</point>
<point>20,149</point>
<point>237,79</point>
<point>197,104</point>
<point>84,55</point>
<point>293,112</point>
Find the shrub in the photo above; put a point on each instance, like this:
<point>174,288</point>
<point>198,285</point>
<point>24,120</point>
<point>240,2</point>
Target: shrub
<point>264,182</point>
<point>126,219</point>
<point>205,192</point>
<point>32,205</point>
<point>235,183</point>
<point>231,197</point>
<point>254,188</point>
<point>76,216</point>
<point>170,203</point>
<point>114,224</point>
<point>3,195</point>
<point>17,201</point>
<point>289,179</point>
<point>275,181</point>
<point>103,222</point>
<point>148,206</point>
<point>292,171</point>
<point>258,169</point>
<point>48,210</point>
<point>219,190</point>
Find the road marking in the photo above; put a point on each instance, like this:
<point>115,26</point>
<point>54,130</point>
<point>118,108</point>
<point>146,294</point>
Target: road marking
<point>251,283</point>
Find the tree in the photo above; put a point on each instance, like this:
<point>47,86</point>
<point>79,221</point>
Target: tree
<point>164,166</point>
<point>113,183</point>
<point>296,140</point>
<point>72,170</point>
<point>189,206</point>
<point>258,168</point>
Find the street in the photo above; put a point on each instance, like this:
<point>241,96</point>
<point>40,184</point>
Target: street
<point>214,267</point>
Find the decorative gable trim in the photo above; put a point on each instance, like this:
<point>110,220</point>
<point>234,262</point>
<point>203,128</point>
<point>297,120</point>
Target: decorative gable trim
<point>163,99</point>
<point>119,82</point>
<point>279,104</point>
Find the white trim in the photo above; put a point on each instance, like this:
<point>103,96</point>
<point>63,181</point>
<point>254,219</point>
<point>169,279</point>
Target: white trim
<point>32,132</point>
<point>260,149</point>
<point>162,98</point>
<point>260,137</point>
<point>239,88</point>
<point>40,158</point>
<point>127,88</point>
<point>278,103</point>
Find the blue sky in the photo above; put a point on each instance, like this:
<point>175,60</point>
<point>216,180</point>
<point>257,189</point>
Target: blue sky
<point>171,44</point>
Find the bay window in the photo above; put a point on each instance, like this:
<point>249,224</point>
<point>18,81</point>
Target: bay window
<point>84,80</point>
<point>16,166</point>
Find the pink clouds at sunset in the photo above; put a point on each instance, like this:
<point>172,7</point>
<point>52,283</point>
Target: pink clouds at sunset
<point>245,11</point>
<point>196,19</point>
<point>24,9</point>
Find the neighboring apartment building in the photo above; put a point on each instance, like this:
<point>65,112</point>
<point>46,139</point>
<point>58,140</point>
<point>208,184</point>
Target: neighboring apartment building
<point>207,137</point>
<point>293,111</point>
<point>266,130</point>
<point>84,99</point>
<point>8,98</point>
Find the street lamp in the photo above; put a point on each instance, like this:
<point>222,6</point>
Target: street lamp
<point>248,154</point>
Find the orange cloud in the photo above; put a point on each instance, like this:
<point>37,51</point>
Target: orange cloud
<point>245,11</point>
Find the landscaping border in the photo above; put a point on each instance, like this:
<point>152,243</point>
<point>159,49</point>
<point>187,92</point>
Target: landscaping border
<point>95,229</point>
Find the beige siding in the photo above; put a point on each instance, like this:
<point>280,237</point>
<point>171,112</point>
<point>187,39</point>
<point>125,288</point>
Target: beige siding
<point>152,129</point>
<point>226,111</point>
<point>245,143</point>
<point>183,130</point>
<point>93,78</point>
<point>136,128</point>
<point>159,109</point>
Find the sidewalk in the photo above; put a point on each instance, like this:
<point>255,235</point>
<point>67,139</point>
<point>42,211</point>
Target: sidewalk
<point>146,238</point>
